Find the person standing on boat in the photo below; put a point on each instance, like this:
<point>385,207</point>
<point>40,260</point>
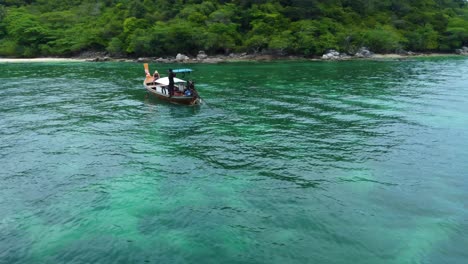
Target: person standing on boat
<point>171,82</point>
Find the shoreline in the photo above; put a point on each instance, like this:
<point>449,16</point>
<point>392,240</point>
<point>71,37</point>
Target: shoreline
<point>399,56</point>
<point>222,58</point>
<point>14,60</point>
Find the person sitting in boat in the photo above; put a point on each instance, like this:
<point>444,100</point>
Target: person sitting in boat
<point>191,88</point>
<point>156,76</point>
<point>187,92</point>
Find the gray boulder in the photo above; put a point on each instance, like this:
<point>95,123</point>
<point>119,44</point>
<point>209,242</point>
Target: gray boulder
<point>364,53</point>
<point>462,51</point>
<point>182,57</point>
<point>201,55</point>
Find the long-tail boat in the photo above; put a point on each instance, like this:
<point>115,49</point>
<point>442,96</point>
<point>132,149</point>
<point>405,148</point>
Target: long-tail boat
<point>184,91</point>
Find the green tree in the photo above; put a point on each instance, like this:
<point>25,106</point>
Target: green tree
<point>26,31</point>
<point>139,43</point>
<point>281,43</point>
<point>221,37</point>
<point>384,39</point>
<point>305,33</point>
<point>423,39</point>
<point>456,34</point>
<point>256,43</point>
<point>25,28</point>
<point>116,47</point>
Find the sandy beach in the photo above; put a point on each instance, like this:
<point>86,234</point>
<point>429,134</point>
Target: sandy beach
<point>13,60</point>
<point>399,56</point>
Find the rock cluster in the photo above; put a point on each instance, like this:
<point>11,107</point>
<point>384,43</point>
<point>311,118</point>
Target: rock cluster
<point>96,56</point>
<point>202,57</point>
<point>335,55</point>
<point>462,51</point>
<point>331,55</point>
<point>97,59</point>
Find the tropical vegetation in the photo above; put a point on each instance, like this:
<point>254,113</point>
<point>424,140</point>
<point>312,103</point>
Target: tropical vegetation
<point>130,28</point>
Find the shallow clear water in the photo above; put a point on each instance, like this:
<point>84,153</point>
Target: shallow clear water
<point>288,162</point>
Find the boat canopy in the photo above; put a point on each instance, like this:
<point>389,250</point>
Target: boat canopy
<point>165,80</point>
<point>182,70</point>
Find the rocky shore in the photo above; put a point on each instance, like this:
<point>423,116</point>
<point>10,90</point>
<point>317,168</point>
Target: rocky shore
<point>202,57</point>
<point>331,55</point>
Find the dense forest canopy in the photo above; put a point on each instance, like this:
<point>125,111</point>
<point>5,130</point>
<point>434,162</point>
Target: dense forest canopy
<point>30,28</point>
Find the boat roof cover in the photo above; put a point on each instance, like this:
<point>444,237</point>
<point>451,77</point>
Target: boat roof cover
<point>182,70</point>
<point>165,80</point>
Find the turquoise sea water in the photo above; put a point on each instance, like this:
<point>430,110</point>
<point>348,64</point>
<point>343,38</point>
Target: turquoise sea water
<point>288,162</point>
